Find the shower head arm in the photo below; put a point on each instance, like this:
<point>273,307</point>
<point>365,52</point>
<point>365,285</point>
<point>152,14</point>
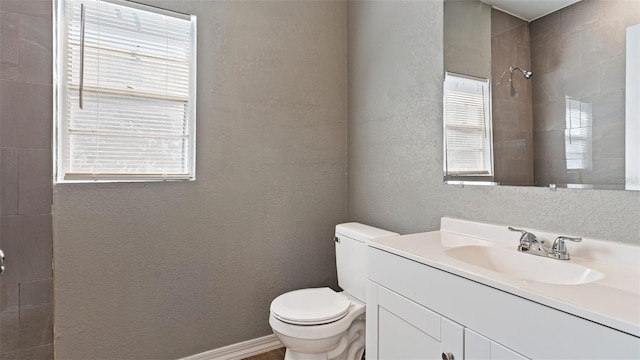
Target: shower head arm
<point>527,74</point>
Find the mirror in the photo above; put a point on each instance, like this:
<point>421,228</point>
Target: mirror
<point>538,98</point>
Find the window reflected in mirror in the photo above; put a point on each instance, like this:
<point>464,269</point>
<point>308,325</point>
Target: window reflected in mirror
<point>467,126</point>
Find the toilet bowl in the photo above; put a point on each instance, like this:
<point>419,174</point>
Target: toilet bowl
<point>340,328</point>
<point>320,323</point>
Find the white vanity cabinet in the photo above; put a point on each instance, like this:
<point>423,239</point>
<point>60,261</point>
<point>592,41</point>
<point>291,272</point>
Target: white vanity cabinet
<point>416,311</point>
<point>478,347</point>
<point>402,329</point>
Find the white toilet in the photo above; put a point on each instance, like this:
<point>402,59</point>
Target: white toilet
<point>319,323</point>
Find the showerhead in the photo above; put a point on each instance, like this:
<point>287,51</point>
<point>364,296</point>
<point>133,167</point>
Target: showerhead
<point>527,74</point>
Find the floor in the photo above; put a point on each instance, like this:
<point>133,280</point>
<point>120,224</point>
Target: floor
<point>277,354</point>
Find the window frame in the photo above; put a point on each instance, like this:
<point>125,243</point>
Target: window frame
<point>60,100</point>
<point>487,129</point>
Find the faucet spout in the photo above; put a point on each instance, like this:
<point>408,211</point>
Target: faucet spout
<point>529,244</point>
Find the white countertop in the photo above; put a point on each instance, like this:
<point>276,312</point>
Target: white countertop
<point>613,301</point>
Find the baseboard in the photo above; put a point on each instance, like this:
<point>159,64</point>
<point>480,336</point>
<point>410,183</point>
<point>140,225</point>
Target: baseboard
<point>241,350</point>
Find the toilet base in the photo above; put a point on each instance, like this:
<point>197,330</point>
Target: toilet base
<point>349,347</point>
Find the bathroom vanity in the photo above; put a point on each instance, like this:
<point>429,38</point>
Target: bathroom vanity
<point>465,292</point>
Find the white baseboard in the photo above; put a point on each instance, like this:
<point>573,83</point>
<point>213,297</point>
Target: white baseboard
<point>241,350</point>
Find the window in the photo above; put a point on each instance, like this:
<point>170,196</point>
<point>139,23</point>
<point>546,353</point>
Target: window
<point>467,126</point>
<point>125,92</point>
<point>578,134</point>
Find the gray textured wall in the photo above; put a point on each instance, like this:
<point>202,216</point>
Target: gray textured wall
<point>165,270</point>
<point>467,38</point>
<point>395,140</point>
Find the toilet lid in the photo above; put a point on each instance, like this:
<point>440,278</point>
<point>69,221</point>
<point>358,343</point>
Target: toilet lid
<point>310,306</point>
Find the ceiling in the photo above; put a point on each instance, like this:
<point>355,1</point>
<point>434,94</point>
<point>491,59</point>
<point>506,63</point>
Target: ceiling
<point>529,10</point>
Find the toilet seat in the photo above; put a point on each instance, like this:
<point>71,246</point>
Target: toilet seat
<point>310,306</point>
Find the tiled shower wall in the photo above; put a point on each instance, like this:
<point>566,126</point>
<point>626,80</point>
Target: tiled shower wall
<point>579,52</point>
<point>25,179</point>
<point>512,119</point>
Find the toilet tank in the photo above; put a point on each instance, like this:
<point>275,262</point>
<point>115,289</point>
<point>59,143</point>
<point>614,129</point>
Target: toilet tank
<point>351,256</point>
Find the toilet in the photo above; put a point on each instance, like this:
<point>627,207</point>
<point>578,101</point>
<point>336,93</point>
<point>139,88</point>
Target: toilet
<point>320,323</point>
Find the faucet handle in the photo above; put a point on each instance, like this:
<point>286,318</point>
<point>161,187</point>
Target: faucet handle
<point>523,232</point>
<point>526,240</point>
<point>526,236</point>
<point>558,244</point>
<point>559,249</point>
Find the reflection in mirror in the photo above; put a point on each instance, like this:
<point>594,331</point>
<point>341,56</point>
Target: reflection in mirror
<point>467,127</point>
<point>557,113</point>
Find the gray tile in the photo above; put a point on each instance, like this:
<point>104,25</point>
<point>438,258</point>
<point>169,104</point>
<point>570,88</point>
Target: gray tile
<point>515,172</point>
<point>583,81</point>
<point>9,294</point>
<point>503,54</point>
<point>550,172</point>
<point>35,325</point>
<point>622,13</point>
<point>549,116</point>
<point>613,73</point>
<point>36,247</point>
<point>548,87</point>
<point>9,46</point>
<point>607,171</point>
<point>502,22</point>
<point>36,57</point>
<point>26,115</point>
<point>8,181</point>
<point>549,145</point>
<point>39,8</point>
<point>563,53</point>
<point>44,352</point>
<point>27,242</point>
<point>602,43</point>
<point>10,243</point>
<point>35,182</point>
<point>36,292</point>
<point>538,58</point>
<point>581,16</point>
<point>541,172</point>
<point>513,145</point>
<point>608,140</point>
<point>546,27</point>
<point>9,329</point>
<point>608,107</point>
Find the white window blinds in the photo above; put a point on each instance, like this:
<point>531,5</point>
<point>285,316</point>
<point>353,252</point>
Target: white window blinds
<point>125,92</point>
<point>467,126</point>
<point>578,134</point>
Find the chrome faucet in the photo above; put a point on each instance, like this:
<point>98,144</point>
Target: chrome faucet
<point>529,243</point>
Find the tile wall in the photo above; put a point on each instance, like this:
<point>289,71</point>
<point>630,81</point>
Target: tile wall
<point>25,179</point>
<point>512,119</point>
<point>579,53</point>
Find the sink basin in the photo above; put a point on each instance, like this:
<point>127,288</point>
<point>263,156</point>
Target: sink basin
<point>525,266</point>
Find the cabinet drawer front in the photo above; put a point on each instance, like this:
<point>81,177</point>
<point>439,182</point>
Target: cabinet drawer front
<point>419,316</point>
<point>501,316</point>
<point>407,331</point>
<point>478,347</point>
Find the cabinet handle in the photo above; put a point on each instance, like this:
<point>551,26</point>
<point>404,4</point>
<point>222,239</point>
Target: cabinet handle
<point>447,356</point>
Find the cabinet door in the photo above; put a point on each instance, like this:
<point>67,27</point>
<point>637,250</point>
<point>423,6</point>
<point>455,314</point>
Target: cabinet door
<point>478,347</point>
<point>398,328</point>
